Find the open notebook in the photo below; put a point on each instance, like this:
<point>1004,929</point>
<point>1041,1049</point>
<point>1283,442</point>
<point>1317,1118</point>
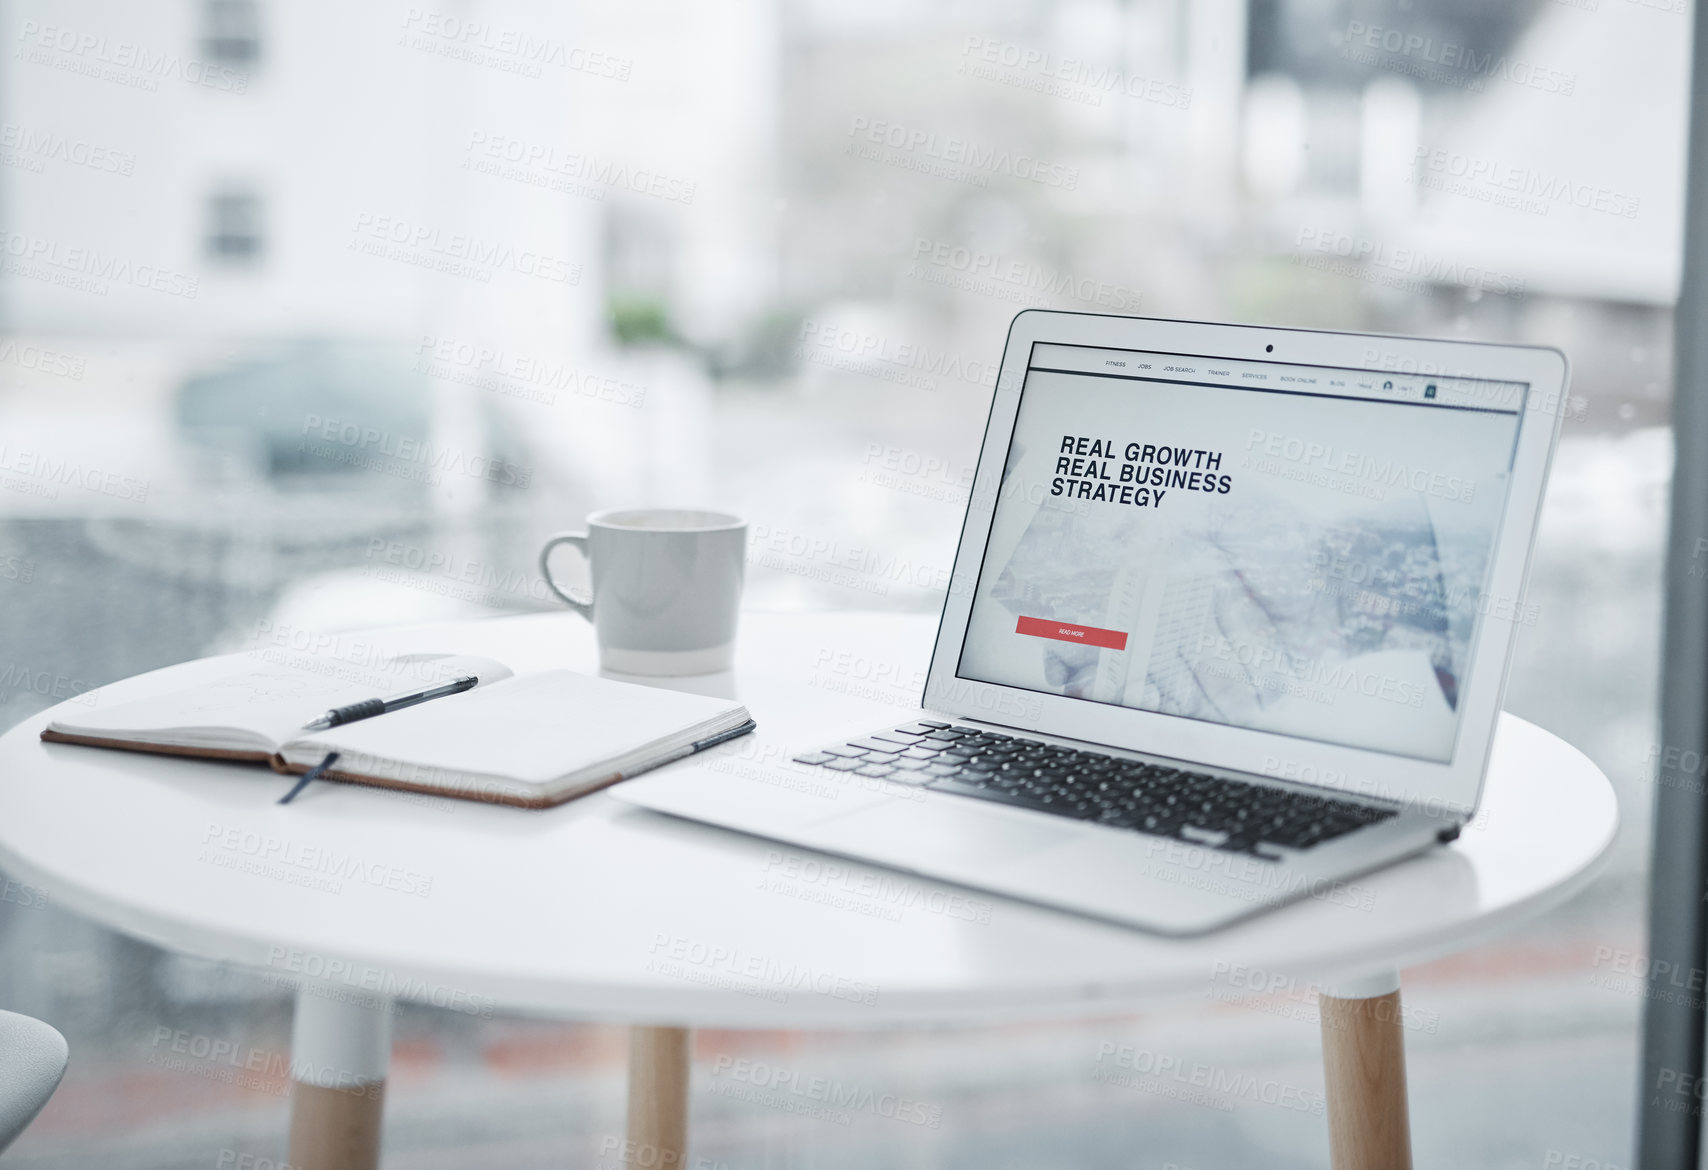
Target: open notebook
<point>530,739</point>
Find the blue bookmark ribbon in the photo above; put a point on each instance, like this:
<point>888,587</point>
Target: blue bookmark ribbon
<point>309,777</point>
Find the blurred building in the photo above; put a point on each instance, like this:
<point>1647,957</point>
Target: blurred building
<point>195,169</point>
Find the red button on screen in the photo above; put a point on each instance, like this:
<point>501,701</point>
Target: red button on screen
<point>1065,632</point>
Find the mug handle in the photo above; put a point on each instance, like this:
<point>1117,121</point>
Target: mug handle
<point>579,540</point>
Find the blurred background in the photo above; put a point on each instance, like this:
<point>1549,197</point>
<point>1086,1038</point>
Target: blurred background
<point>324,315</point>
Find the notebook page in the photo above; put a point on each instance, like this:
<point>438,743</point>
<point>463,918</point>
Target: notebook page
<point>265,705</point>
<point>533,728</point>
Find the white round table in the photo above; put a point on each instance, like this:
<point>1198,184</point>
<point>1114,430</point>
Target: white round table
<point>360,896</point>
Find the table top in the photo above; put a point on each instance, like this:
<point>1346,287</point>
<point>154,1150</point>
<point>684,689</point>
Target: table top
<point>597,910</point>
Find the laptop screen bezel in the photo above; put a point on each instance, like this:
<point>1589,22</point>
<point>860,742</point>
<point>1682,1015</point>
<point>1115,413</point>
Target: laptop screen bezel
<point>1451,788</point>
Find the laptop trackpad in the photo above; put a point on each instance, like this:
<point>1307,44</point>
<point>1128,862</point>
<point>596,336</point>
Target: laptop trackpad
<point>913,834</point>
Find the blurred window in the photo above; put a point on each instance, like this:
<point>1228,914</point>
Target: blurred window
<point>234,225</point>
<point>231,30</point>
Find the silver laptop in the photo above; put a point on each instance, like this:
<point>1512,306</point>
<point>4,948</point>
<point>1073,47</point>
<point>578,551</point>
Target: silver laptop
<point>1229,623</point>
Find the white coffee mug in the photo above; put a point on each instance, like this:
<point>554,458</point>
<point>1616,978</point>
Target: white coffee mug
<point>666,587</point>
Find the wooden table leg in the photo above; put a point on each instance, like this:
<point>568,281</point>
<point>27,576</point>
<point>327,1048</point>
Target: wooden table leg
<point>1364,1065</point>
<point>658,1097</point>
<point>339,1052</point>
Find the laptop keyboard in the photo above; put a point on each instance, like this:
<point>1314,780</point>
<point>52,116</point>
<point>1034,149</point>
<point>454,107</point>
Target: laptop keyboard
<point>1091,786</point>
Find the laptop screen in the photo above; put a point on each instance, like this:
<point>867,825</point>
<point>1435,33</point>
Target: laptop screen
<point>1293,549</point>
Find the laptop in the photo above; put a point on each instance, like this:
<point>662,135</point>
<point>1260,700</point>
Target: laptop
<point>1229,624</point>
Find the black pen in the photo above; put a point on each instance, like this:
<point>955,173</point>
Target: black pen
<point>368,708</point>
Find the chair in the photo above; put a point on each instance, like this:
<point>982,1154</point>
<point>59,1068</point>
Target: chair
<point>32,1061</point>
